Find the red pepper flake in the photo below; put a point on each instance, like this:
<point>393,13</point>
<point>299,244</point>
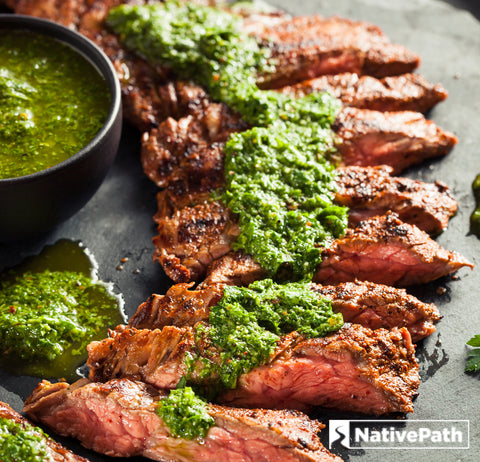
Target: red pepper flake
<point>12,309</point>
<point>124,260</point>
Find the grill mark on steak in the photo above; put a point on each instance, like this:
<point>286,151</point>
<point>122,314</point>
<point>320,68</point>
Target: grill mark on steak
<point>308,46</point>
<point>55,451</point>
<point>355,369</point>
<point>193,237</point>
<point>380,306</point>
<point>387,251</point>
<point>373,191</point>
<point>407,92</point>
<point>398,139</point>
<point>118,418</point>
<point>371,305</point>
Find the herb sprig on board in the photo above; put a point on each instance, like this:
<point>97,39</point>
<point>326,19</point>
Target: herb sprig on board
<point>473,356</point>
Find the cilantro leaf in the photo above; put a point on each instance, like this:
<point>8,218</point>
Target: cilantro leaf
<point>473,361</point>
<point>473,356</point>
<point>474,341</point>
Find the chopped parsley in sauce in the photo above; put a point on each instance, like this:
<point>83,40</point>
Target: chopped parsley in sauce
<point>48,314</point>
<point>245,326</point>
<point>52,102</point>
<point>21,443</point>
<point>279,180</point>
<point>185,414</point>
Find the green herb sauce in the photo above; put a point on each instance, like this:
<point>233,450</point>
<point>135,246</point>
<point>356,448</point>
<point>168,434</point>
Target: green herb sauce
<point>278,179</point>
<point>475,217</point>
<point>49,314</point>
<point>52,102</point>
<point>21,443</point>
<point>247,323</point>
<point>185,414</point>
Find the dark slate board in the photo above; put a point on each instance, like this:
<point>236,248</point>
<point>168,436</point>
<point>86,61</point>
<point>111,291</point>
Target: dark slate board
<point>117,222</point>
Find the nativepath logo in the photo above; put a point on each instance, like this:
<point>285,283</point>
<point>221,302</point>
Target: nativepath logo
<point>400,434</point>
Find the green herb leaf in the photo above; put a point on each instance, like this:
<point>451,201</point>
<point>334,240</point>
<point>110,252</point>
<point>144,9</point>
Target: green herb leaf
<point>473,361</point>
<point>473,356</point>
<point>474,341</point>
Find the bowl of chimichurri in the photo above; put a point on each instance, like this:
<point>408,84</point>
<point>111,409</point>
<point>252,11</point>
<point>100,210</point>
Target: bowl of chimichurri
<point>60,123</point>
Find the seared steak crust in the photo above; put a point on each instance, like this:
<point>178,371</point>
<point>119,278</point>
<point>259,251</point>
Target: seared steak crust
<point>365,303</point>
<point>193,237</point>
<point>387,251</point>
<point>309,46</point>
<point>373,191</point>
<point>354,369</point>
<point>118,418</point>
<point>407,92</point>
<point>55,451</point>
<point>234,269</point>
<point>380,306</point>
<point>399,139</point>
<point>178,307</point>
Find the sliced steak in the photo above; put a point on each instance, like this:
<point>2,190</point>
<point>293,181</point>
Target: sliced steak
<point>118,419</point>
<point>178,307</point>
<point>407,92</point>
<point>365,303</point>
<point>387,251</point>
<point>308,46</point>
<point>193,237</point>
<point>191,146</point>
<point>370,191</point>
<point>355,369</point>
<point>233,269</point>
<point>195,244</point>
<point>380,306</point>
<point>399,139</point>
<point>55,451</point>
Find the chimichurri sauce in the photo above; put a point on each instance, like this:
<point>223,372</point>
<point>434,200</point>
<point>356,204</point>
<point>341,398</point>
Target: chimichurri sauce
<point>51,307</point>
<point>246,324</point>
<point>185,414</point>
<point>24,443</point>
<point>52,102</point>
<point>278,178</point>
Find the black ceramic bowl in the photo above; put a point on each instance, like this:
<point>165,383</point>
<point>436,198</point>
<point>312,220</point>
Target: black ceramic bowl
<point>36,203</point>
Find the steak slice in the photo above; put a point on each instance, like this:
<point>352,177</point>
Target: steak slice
<point>398,139</point>
<point>365,303</point>
<point>380,306</point>
<point>370,191</point>
<point>195,243</point>
<point>407,92</point>
<point>191,147</point>
<point>55,451</point>
<point>308,46</point>
<point>233,269</point>
<point>355,369</point>
<point>193,237</point>
<point>387,251</point>
<point>118,419</point>
<point>179,307</point>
